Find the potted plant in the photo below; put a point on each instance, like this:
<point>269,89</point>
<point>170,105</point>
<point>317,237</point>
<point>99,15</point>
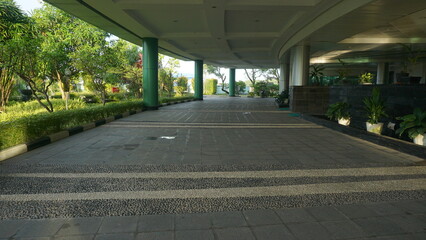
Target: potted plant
<point>282,99</point>
<point>415,126</point>
<point>366,78</point>
<point>375,108</point>
<point>339,111</point>
<point>316,74</point>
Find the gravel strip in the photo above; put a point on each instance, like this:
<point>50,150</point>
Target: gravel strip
<point>10,185</point>
<point>92,208</point>
<point>70,168</point>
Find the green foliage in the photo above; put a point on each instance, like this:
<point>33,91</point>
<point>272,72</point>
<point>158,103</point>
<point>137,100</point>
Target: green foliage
<point>241,87</point>
<point>265,89</point>
<point>210,86</point>
<point>374,106</point>
<point>413,124</point>
<point>31,127</point>
<point>181,86</point>
<point>251,94</point>
<point>175,99</point>
<point>316,74</point>
<point>338,110</point>
<point>217,71</point>
<point>366,78</point>
<point>283,98</point>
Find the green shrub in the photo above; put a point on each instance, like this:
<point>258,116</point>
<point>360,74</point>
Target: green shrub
<point>175,99</point>
<point>210,86</point>
<point>31,127</point>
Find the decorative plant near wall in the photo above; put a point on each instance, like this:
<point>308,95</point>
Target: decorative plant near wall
<point>366,78</point>
<point>414,125</point>
<point>283,99</point>
<point>316,73</point>
<point>375,108</point>
<point>339,111</point>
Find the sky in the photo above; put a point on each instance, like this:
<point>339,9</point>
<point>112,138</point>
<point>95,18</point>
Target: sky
<point>186,67</point>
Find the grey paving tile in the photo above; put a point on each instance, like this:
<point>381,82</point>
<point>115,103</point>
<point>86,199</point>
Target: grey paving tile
<point>228,219</point>
<point>410,223</point>
<point>119,224</point>
<point>194,235</point>
<point>115,236</point>
<point>419,236</point>
<point>192,221</point>
<point>411,207</point>
<point>309,230</point>
<point>167,235</point>
<point>343,229</point>
<point>272,232</point>
<point>294,215</point>
<point>242,233</point>
<point>356,211</point>
<point>32,238</point>
<point>10,227</point>
<point>40,228</point>
<point>75,237</point>
<point>80,226</point>
<point>384,209</point>
<point>261,217</point>
<point>378,226</point>
<point>326,213</point>
<point>153,223</point>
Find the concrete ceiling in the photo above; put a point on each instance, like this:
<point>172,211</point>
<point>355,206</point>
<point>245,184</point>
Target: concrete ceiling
<point>260,33</point>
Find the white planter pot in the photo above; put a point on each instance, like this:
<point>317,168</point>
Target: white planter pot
<point>344,121</point>
<point>420,139</point>
<point>374,128</point>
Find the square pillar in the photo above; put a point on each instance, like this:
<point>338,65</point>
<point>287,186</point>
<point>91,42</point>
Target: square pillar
<point>232,82</point>
<point>198,77</point>
<point>150,73</point>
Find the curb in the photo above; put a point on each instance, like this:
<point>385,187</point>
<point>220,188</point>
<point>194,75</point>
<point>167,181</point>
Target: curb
<point>393,143</point>
<point>45,140</point>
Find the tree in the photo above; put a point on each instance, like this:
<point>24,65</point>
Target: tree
<point>12,27</point>
<point>33,67</point>
<point>218,73</point>
<point>273,74</point>
<point>96,58</point>
<point>241,87</point>
<point>181,86</point>
<point>60,33</point>
<point>167,69</point>
<point>254,74</point>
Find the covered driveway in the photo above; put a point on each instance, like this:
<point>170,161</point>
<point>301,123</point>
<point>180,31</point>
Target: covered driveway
<point>217,169</point>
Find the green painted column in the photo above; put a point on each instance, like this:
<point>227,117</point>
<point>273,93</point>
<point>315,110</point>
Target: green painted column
<point>198,88</point>
<point>150,73</point>
<point>232,82</point>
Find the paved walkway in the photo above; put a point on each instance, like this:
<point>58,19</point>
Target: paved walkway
<point>224,168</point>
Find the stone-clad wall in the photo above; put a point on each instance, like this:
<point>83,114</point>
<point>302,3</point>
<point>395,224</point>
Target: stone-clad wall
<point>399,99</point>
<point>312,100</point>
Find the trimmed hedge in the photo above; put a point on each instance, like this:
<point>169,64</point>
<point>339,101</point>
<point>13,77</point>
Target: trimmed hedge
<point>175,99</point>
<point>210,86</point>
<point>31,127</point>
